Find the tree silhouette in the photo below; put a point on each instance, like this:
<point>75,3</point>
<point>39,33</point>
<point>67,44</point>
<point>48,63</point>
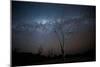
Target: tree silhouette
<point>58,30</point>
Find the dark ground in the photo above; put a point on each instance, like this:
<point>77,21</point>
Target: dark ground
<point>23,59</point>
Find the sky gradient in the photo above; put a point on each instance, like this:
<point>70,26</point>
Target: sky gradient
<point>33,26</point>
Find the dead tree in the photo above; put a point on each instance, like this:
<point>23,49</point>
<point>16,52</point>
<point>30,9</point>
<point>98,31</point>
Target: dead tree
<point>58,30</point>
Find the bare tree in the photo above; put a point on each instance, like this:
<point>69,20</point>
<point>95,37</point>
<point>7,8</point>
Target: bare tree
<point>58,30</point>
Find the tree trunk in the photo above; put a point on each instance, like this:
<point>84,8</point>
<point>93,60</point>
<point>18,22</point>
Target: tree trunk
<point>61,43</point>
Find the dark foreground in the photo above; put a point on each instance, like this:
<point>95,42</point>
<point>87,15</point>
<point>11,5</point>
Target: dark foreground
<point>23,59</point>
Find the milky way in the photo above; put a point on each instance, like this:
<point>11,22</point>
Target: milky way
<point>34,25</point>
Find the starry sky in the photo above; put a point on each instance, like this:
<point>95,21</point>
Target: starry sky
<point>34,23</point>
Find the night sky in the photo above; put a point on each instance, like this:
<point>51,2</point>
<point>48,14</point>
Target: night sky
<point>33,26</point>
